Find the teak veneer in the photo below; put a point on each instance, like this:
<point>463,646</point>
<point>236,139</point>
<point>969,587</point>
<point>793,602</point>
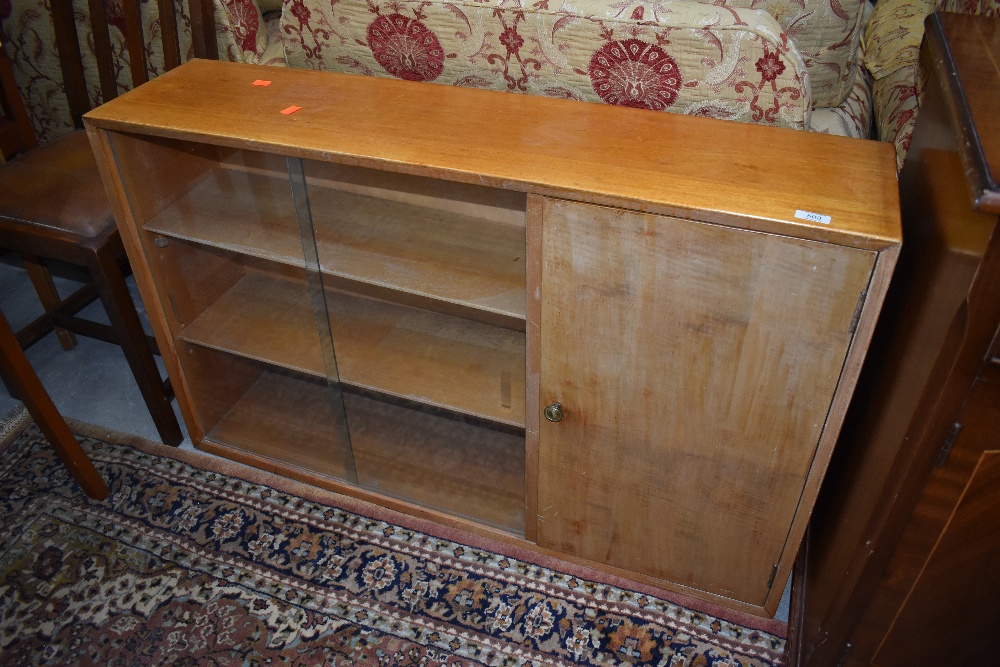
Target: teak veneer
<point>384,292</point>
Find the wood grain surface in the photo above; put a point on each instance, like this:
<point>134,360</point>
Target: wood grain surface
<point>439,463</point>
<point>437,254</point>
<point>974,44</point>
<point>893,485</point>
<point>746,175</point>
<point>439,360</point>
<point>436,462</point>
<point>696,366</point>
<point>954,550</point>
<point>701,337</point>
<point>289,419</point>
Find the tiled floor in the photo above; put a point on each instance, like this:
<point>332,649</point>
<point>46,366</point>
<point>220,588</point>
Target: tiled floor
<point>91,383</point>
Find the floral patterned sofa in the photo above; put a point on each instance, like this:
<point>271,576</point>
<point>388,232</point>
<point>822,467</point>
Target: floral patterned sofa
<point>792,63</point>
<point>892,40</point>
<point>807,64</point>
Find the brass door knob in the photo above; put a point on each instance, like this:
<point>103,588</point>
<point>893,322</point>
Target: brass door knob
<point>553,412</point>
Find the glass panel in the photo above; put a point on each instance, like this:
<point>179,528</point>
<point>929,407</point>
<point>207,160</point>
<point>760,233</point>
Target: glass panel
<point>303,215</point>
<point>424,282</point>
<point>219,227</point>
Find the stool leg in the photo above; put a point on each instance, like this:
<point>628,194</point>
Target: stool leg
<point>125,321</point>
<point>14,366</point>
<point>47,294</point>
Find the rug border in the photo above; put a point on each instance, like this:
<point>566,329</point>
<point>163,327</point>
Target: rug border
<point>13,424</point>
<point>316,494</point>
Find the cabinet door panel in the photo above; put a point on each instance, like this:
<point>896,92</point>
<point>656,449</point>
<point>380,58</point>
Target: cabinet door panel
<point>953,587</point>
<point>695,365</point>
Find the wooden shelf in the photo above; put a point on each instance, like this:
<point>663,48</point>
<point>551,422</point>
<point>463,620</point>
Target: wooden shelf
<point>288,419</point>
<point>438,463</point>
<point>248,213</point>
<point>450,257</point>
<point>447,256</point>
<point>442,361</point>
<point>266,318</point>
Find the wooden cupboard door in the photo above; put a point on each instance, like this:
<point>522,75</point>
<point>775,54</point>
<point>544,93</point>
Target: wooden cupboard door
<point>695,365</point>
<point>950,593</point>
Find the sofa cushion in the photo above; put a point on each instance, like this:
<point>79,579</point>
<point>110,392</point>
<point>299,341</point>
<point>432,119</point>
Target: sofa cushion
<point>893,35</point>
<point>826,33</point>
<point>853,117</point>
<point>697,58</point>
<point>274,54</point>
<point>893,39</point>
<point>245,22</point>
<point>896,29</point>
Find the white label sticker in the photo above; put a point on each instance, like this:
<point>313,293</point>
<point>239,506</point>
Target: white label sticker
<point>812,217</point>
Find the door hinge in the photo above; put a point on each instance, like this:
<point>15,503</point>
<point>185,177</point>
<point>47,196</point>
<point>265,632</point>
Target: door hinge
<point>948,443</point>
<point>774,573</point>
<point>173,307</point>
<point>857,312</point>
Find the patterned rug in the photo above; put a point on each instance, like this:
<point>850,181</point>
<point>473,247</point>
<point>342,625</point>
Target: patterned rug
<point>197,561</point>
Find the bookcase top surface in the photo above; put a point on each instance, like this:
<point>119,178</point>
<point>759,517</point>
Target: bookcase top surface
<point>762,178</point>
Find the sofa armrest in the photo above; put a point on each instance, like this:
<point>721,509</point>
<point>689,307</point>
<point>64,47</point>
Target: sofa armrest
<point>893,35</point>
<point>892,42</point>
<point>892,54</point>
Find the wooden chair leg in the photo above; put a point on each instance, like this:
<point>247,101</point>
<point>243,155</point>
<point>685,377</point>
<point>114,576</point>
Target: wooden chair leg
<point>47,294</point>
<point>128,328</point>
<point>15,368</point>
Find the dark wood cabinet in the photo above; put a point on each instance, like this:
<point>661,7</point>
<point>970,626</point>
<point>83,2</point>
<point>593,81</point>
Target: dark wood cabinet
<point>900,565</point>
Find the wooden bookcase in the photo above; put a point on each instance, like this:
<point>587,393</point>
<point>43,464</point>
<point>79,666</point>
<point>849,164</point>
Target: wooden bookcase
<point>388,292</point>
